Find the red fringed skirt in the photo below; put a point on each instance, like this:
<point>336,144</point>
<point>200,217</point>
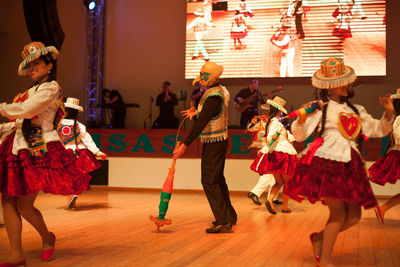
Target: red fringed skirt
<point>325,178</point>
<point>275,162</point>
<point>86,162</point>
<point>54,172</point>
<point>342,33</point>
<point>238,35</point>
<point>386,169</point>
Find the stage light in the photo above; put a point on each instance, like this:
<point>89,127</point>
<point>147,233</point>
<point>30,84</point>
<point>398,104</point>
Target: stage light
<point>90,4</point>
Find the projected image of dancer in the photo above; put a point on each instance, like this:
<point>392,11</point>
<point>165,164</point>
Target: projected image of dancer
<point>306,9</point>
<point>207,8</point>
<point>343,16</point>
<point>298,13</point>
<point>239,30</point>
<point>245,10</point>
<point>200,27</point>
<point>284,40</point>
<point>358,11</point>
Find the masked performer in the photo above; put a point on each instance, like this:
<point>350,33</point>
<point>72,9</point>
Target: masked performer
<point>212,127</point>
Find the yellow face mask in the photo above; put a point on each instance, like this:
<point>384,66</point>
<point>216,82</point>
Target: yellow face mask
<point>209,74</point>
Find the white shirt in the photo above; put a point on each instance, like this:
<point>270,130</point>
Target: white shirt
<point>42,104</point>
<point>336,146</point>
<point>86,141</point>
<point>396,134</point>
<point>5,130</point>
<point>281,144</point>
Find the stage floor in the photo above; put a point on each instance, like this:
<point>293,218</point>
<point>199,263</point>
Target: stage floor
<point>111,228</point>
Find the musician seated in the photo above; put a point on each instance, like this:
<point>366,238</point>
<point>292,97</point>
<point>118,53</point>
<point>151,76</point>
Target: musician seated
<point>246,101</point>
<point>117,107</point>
<point>166,101</point>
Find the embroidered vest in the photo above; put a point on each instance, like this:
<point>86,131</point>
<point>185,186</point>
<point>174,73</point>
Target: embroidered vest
<point>67,136</point>
<point>217,128</point>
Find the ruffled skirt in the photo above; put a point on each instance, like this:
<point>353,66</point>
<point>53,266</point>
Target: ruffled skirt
<point>86,162</point>
<point>342,33</point>
<point>275,162</point>
<point>386,169</point>
<point>325,178</point>
<point>54,172</point>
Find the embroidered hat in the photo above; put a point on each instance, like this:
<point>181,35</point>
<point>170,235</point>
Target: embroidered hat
<point>278,103</point>
<point>33,51</point>
<point>333,74</point>
<point>397,95</point>
<point>73,103</point>
<point>209,74</point>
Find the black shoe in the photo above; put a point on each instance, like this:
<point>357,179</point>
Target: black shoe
<point>220,228</point>
<point>277,202</point>
<point>269,208</point>
<point>286,211</point>
<point>254,197</point>
<point>233,222</point>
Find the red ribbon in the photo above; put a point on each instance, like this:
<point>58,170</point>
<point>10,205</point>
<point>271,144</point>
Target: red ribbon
<point>312,149</point>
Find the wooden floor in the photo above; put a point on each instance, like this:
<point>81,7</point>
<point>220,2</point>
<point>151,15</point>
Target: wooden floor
<point>111,228</point>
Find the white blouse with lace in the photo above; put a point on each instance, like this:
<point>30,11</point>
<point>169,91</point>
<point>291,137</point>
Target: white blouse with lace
<point>336,146</point>
<point>40,106</point>
<point>282,143</point>
<point>396,134</point>
<point>86,140</point>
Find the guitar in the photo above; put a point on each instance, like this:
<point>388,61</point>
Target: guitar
<point>246,102</point>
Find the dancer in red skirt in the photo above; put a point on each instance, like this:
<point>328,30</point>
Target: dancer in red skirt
<point>387,169</point>
<point>238,30</point>
<point>32,157</point>
<point>78,142</point>
<point>332,169</point>
<point>280,158</point>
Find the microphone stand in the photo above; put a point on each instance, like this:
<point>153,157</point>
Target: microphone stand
<point>150,116</point>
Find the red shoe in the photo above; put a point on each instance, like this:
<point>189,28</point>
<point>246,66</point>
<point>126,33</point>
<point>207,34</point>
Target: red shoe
<point>317,257</point>
<point>47,253</point>
<point>379,214</point>
<point>17,264</point>
<point>72,202</point>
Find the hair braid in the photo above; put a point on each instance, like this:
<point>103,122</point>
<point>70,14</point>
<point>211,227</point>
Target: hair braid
<point>324,96</point>
<point>271,114</point>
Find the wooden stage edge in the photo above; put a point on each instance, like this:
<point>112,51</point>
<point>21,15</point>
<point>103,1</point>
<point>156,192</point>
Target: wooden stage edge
<point>191,191</point>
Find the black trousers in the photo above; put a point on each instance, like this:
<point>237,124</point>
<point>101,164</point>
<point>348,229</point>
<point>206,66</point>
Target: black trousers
<point>299,26</point>
<point>213,181</point>
<point>118,119</point>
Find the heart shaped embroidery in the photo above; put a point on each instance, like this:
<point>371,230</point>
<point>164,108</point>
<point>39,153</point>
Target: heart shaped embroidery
<point>349,125</point>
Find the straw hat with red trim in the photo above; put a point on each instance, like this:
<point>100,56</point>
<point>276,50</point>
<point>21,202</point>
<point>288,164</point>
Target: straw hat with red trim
<point>333,74</point>
<point>33,51</point>
<point>73,103</point>
<point>278,103</point>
